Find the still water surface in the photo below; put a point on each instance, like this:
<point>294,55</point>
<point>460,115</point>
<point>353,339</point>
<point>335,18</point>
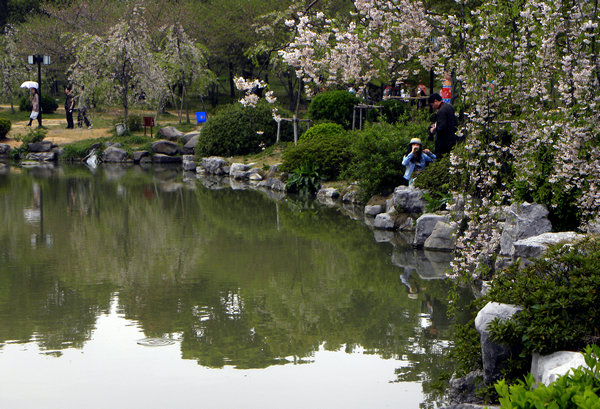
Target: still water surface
<point>268,302</point>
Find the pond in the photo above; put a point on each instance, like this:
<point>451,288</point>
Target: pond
<point>150,288</point>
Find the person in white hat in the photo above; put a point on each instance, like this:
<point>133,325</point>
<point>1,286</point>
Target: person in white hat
<point>416,159</point>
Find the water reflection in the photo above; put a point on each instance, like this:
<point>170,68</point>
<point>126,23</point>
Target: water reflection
<point>239,279</point>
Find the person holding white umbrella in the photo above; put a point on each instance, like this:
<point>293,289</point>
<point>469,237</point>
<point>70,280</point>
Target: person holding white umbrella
<point>35,101</point>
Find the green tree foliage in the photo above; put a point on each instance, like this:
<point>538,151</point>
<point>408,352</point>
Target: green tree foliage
<point>333,106</point>
<point>325,146</point>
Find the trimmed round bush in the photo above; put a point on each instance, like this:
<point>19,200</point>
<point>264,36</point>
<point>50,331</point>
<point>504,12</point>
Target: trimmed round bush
<point>333,106</point>
<point>325,146</point>
<point>48,104</point>
<point>239,130</point>
<point>5,126</point>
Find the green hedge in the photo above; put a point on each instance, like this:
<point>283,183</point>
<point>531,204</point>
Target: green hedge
<point>238,130</point>
<point>333,106</point>
<point>325,146</point>
<point>377,153</point>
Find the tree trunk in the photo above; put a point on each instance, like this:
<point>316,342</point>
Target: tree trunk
<point>231,83</point>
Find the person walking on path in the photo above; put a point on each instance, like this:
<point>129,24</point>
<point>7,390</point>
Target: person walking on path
<point>69,105</point>
<point>35,107</point>
<point>416,159</point>
<point>82,110</point>
<point>444,126</point>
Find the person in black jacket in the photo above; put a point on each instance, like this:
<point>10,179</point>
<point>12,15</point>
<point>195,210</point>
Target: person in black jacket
<point>444,126</point>
<point>69,105</point>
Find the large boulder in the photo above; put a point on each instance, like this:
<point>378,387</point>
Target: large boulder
<point>273,184</point>
<point>214,165</point>
<point>408,199</point>
<point>374,210</point>
<point>165,147</point>
<point>384,221</point>
<point>441,238</point>
<point>114,154</point>
<point>190,146</point>
<point>4,149</point>
<point>166,159</point>
<point>188,136</point>
<point>425,225</point>
<point>523,220</point>
<point>537,245</point>
<point>139,156</point>
<point>42,156</point>
<point>189,162</point>
<point>43,146</point>
<point>494,355</point>
<point>169,133</point>
<point>547,369</point>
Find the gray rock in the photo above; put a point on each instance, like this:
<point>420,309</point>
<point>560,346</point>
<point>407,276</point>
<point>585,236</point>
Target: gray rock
<point>408,199</point>
<point>169,133</point>
<point>188,136</point>
<point>189,162</point>
<point>547,369</point>
<point>523,221</point>
<point>441,238</point>
<point>92,160</point>
<point>537,245</point>
<point>114,154</point>
<point>494,355</point>
<point>329,192</point>
<point>43,146</point>
<point>162,158</point>
<point>273,184</point>
<point>425,225</point>
<point>165,147</point>
<point>238,167</point>
<point>214,165</point>
<point>42,156</point>
<point>373,210</point>
<point>351,195</point>
<point>384,221</point>
<point>120,129</point>
<point>255,176</point>
<point>190,146</point>
<point>139,155</point>
<point>464,389</point>
<point>4,149</point>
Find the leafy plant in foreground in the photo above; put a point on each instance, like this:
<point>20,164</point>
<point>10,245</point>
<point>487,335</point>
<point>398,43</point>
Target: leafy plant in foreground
<point>304,180</point>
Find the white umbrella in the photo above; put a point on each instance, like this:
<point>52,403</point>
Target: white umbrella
<point>29,84</point>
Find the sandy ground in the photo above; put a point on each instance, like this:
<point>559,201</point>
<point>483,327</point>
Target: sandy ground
<point>57,132</point>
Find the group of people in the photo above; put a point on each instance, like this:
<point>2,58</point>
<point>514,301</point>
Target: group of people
<point>69,108</point>
<point>444,129</point>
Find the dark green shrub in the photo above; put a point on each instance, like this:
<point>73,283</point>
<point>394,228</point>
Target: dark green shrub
<point>5,126</point>
<point>377,153</point>
<point>435,178</point>
<point>304,179</point>
<point>134,123</point>
<point>333,106</point>
<point>48,104</point>
<point>326,146</point>
<point>394,111</point>
<point>238,130</point>
<point>32,136</point>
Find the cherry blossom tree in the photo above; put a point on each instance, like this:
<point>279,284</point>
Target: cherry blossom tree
<point>183,62</point>
<point>121,65</point>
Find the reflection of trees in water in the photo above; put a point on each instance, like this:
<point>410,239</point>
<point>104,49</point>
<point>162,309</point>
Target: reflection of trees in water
<point>245,281</point>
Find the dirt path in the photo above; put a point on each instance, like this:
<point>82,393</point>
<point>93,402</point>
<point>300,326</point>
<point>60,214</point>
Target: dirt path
<point>57,132</point>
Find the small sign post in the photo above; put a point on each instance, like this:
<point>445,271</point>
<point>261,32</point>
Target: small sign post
<point>148,121</point>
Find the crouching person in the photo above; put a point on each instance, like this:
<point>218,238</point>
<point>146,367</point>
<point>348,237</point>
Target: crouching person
<point>416,160</point>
